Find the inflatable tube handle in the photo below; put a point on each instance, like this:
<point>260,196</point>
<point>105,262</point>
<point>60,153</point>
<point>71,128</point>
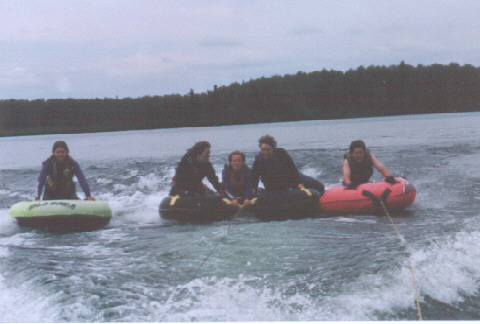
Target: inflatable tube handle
<point>378,201</point>
<point>227,201</point>
<point>308,192</point>
<point>370,195</point>
<point>385,194</point>
<point>174,200</point>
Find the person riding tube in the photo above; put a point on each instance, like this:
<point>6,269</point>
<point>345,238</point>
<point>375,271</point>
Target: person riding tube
<point>237,179</point>
<point>192,168</point>
<point>57,175</point>
<point>358,166</point>
<point>274,167</point>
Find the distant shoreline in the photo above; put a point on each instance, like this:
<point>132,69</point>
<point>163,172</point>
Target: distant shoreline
<point>375,91</point>
<point>146,129</point>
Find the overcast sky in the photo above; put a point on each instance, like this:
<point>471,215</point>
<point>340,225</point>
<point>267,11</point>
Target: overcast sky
<point>101,48</point>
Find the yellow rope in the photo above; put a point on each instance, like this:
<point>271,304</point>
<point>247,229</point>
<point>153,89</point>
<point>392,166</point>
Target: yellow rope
<point>412,272</point>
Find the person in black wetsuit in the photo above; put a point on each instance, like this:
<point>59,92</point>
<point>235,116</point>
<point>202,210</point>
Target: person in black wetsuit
<point>274,167</point>
<point>193,167</point>
<point>358,166</point>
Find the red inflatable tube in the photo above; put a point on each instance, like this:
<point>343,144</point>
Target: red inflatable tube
<point>337,200</point>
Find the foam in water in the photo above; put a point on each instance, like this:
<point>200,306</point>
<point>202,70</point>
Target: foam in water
<point>8,225</point>
<point>449,269</point>
<point>147,191</point>
<point>312,172</point>
<point>216,299</point>
<point>21,302</point>
<point>364,298</point>
<point>24,304</point>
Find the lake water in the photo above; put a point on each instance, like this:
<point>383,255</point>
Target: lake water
<point>141,268</point>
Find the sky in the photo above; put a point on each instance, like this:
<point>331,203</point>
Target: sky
<point>120,48</point>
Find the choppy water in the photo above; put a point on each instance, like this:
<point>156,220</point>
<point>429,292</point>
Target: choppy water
<point>141,268</point>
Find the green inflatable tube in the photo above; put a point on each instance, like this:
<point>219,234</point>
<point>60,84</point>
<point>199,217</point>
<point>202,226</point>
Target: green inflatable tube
<point>62,215</point>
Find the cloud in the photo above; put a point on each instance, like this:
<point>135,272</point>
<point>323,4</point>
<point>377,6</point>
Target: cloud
<point>122,47</point>
<point>218,42</point>
<point>306,31</point>
<point>64,85</point>
<point>17,76</point>
<point>138,64</point>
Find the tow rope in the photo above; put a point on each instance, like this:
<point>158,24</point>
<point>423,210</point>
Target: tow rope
<point>381,201</point>
<point>200,267</point>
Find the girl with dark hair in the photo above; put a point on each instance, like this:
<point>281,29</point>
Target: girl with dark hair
<point>358,166</point>
<point>237,179</point>
<point>193,167</point>
<point>57,175</point>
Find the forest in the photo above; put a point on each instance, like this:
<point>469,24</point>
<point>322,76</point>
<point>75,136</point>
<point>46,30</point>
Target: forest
<point>326,94</point>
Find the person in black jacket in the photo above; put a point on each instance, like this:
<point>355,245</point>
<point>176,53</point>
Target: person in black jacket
<point>274,167</point>
<point>193,167</point>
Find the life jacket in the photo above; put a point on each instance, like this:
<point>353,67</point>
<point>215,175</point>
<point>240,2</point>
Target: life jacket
<point>60,183</point>
<point>237,180</point>
<point>360,172</point>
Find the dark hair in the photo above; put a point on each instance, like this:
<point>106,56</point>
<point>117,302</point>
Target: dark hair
<point>60,144</point>
<point>357,144</point>
<point>236,152</point>
<point>267,139</point>
<point>198,148</point>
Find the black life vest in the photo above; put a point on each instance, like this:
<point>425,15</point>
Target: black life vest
<point>60,183</point>
<point>237,181</point>
<point>360,172</point>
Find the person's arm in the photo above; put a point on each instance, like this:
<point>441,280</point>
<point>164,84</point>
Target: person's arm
<point>347,178</point>
<point>42,178</point>
<point>255,174</point>
<point>83,181</point>
<point>383,170</point>
<point>212,177</point>
<point>226,184</point>
<point>379,166</point>
<point>291,168</point>
<point>248,193</point>
<point>346,173</point>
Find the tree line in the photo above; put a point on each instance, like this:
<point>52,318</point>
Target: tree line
<point>363,92</point>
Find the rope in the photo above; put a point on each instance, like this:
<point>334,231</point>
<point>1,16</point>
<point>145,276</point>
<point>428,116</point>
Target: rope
<point>215,246</point>
<point>411,267</point>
